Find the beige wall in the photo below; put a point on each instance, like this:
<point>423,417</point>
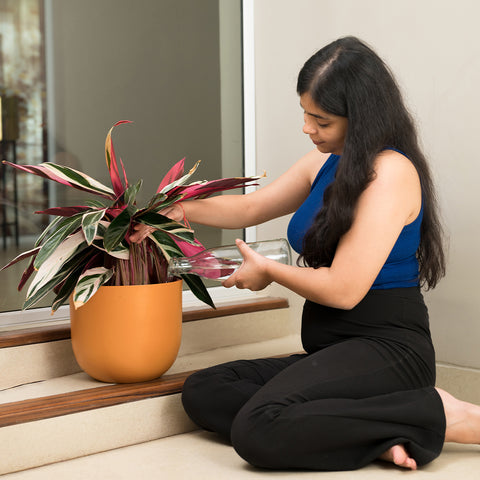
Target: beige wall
<point>433,46</point>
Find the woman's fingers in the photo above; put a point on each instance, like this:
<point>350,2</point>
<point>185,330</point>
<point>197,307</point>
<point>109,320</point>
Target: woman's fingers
<point>141,232</point>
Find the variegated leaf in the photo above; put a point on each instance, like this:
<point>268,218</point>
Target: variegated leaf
<point>67,176</point>
<point>173,174</point>
<point>166,244</point>
<point>65,228</point>
<point>51,226</point>
<point>112,162</point>
<point>181,180</point>
<point>88,284</point>
<point>70,247</point>
<point>117,229</point>
<point>131,192</point>
<point>90,222</point>
<point>121,251</point>
<point>20,257</point>
<point>161,222</point>
<point>71,254</point>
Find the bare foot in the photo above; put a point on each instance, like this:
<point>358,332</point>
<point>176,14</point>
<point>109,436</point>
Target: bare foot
<point>463,419</point>
<point>399,456</point>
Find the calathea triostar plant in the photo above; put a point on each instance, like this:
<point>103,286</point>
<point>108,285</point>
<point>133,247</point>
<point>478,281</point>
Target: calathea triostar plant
<point>88,246</point>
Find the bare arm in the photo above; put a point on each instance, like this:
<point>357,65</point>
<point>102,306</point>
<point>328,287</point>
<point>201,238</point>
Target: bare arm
<point>392,200</point>
<point>281,197</point>
<point>284,195</point>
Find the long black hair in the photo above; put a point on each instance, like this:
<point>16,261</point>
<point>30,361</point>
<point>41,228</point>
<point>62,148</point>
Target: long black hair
<point>347,78</point>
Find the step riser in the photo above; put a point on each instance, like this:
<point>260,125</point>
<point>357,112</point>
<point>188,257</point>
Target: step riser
<point>56,439</point>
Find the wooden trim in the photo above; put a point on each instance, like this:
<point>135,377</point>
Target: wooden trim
<point>51,406</point>
<point>225,310</point>
<point>28,336</point>
<point>80,401</point>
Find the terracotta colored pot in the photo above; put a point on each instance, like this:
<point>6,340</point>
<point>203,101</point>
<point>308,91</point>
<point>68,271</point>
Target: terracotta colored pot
<point>128,334</point>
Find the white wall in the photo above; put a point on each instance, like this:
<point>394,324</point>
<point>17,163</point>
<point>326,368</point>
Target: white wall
<point>433,47</point>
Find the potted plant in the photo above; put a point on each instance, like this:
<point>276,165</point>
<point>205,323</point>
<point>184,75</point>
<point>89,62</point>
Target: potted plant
<point>85,256</point>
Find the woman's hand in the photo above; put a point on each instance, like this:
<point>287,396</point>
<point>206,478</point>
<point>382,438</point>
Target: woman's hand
<point>174,212</point>
<point>253,273</point>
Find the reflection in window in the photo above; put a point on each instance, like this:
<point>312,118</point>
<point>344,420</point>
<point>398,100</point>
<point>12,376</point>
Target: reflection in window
<point>22,91</point>
<point>75,67</point>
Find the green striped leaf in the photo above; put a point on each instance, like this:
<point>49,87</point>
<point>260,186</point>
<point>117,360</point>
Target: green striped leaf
<point>167,225</point>
<point>69,283</point>
<point>117,230</point>
<point>131,192</point>
<point>56,268</point>
<point>79,180</point>
<point>66,227</point>
<point>121,251</point>
<point>88,284</point>
<point>90,222</point>
<point>166,244</point>
<point>51,226</point>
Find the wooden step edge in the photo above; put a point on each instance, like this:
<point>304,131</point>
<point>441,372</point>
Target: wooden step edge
<point>83,400</point>
<point>29,336</point>
<point>51,406</point>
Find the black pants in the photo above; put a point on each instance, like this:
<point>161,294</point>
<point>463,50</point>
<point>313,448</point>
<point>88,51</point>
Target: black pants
<point>364,385</point>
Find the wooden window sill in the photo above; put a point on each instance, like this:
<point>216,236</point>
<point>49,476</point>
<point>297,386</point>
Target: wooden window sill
<point>28,336</point>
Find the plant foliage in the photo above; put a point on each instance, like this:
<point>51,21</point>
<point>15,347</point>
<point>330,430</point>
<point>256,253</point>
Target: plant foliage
<point>88,246</point>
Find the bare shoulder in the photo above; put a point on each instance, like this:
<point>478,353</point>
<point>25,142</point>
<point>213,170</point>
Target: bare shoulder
<point>392,166</point>
<point>396,180</point>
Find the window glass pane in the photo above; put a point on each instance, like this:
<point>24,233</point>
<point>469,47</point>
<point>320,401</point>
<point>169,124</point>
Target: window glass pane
<point>173,67</point>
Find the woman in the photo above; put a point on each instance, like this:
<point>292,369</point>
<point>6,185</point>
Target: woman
<point>367,229</point>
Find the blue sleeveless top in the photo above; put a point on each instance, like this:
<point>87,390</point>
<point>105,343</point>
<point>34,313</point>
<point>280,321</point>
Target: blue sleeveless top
<point>401,267</point>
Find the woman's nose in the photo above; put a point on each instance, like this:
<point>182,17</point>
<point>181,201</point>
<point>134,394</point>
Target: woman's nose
<point>308,129</point>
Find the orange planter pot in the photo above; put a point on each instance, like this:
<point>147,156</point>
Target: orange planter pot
<point>128,334</point>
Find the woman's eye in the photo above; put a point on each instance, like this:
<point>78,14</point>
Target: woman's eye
<point>323,125</point>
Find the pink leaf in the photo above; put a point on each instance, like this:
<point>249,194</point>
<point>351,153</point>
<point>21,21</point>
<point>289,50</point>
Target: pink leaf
<point>26,274</point>
<point>66,176</point>
<point>174,174</point>
<point>39,170</point>
<point>64,211</point>
<point>187,248</point>
<point>23,255</point>
<point>112,166</point>
<point>205,189</point>
<point>114,212</point>
<point>124,173</point>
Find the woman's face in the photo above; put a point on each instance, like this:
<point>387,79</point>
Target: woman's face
<point>326,131</point>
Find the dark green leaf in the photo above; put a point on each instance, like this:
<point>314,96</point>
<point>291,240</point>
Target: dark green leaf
<point>198,289</point>
<point>131,192</point>
<point>117,230</point>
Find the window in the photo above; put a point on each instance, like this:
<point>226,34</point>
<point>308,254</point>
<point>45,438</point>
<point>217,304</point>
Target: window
<point>172,67</point>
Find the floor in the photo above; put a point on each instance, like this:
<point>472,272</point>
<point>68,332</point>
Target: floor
<point>200,455</point>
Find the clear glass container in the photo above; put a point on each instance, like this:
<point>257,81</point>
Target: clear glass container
<point>219,263</point>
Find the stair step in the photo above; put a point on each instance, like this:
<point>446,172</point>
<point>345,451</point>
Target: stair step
<point>80,401</point>
<point>37,354</point>
<point>45,422</point>
<point>200,455</point>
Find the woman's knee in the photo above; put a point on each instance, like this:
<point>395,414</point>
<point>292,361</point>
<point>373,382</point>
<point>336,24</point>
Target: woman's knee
<point>196,393</point>
<point>253,439</point>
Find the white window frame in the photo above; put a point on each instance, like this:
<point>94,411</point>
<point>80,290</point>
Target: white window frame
<point>43,316</point>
